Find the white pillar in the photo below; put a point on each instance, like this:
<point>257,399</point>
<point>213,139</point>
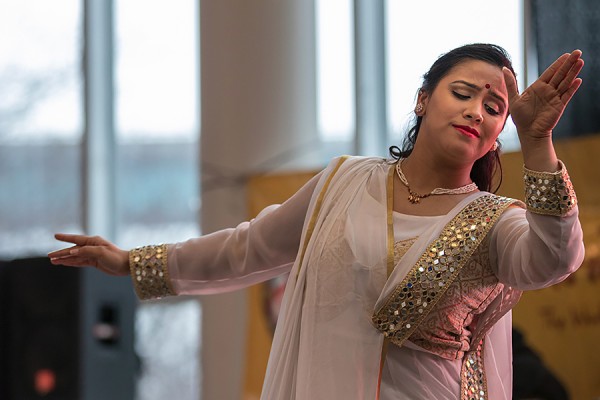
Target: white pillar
<point>258,100</point>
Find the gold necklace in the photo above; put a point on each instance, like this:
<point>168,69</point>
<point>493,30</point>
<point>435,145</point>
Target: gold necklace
<point>415,197</point>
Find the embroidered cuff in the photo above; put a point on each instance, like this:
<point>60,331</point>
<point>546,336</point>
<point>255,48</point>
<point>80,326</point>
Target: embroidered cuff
<point>549,193</point>
<point>148,266</point>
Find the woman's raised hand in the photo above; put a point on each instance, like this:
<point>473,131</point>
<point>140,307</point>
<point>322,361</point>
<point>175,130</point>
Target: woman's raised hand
<point>91,251</point>
<point>537,110</point>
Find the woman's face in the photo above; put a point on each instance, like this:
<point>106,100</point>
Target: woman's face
<point>466,111</point>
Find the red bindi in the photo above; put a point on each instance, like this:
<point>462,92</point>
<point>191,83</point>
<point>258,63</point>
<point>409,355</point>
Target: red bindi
<point>487,86</point>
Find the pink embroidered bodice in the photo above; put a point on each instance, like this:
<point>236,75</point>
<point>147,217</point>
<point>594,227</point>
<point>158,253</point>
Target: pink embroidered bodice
<point>447,329</point>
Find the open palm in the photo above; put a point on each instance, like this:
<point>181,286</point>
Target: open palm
<point>538,109</point>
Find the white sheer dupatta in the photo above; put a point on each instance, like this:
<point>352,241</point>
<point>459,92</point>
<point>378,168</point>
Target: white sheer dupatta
<point>325,346</point>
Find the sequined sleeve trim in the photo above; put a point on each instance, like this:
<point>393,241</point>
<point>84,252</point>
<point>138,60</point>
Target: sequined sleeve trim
<point>148,266</point>
<point>549,193</point>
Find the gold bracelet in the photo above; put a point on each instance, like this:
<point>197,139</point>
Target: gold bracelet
<point>549,193</point>
<point>148,266</point>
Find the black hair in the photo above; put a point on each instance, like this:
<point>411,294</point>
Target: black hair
<point>484,169</point>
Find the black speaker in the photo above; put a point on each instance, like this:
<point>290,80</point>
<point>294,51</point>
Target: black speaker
<point>39,346</point>
<point>65,333</point>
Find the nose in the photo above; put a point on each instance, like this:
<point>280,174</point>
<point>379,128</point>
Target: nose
<point>473,114</point>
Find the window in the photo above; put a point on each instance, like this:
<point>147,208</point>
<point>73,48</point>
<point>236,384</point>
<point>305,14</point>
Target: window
<point>414,38</point>
<point>335,71</point>
<point>42,163</point>
<point>156,103</point>
<point>156,124</point>
<point>40,124</point>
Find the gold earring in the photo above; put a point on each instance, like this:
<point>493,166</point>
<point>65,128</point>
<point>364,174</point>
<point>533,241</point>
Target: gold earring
<point>419,108</point>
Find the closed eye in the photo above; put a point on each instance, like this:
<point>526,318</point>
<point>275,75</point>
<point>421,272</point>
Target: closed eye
<point>491,110</point>
<point>460,96</point>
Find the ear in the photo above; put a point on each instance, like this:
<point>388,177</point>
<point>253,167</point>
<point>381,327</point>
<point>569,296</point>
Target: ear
<point>423,99</point>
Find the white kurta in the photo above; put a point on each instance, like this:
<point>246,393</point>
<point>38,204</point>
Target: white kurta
<point>325,345</point>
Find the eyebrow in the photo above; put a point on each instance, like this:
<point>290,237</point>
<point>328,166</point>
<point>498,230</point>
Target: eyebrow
<point>474,86</point>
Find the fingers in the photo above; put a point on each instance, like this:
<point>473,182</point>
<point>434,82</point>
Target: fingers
<point>78,256</point>
<point>566,97</point>
<point>551,70</point>
<point>91,251</point>
<point>570,78</point>
<point>61,253</point>
<point>565,68</point>
<point>71,256</point>
<point>71,261</point>
<point>80,240</point>
<point>511,85</point>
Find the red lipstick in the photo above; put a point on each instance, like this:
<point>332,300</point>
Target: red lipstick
<point>467,130</point>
